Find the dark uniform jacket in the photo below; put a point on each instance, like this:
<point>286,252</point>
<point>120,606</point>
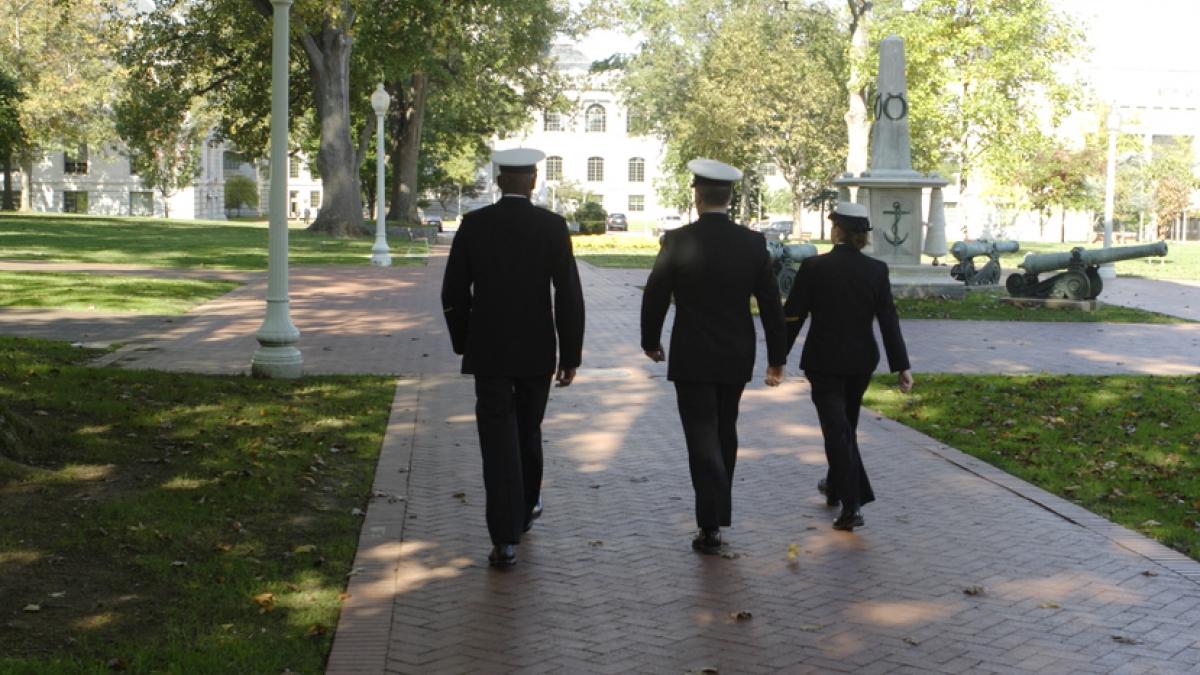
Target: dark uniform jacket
<point>712,267</point>
<point>496,293</point>
<point>844,291</point>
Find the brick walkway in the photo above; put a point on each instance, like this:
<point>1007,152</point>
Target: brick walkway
<point>607,582</point>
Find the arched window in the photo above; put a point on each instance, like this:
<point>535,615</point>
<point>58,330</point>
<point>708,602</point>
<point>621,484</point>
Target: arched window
<point>597,118</point>
<point>637,170</point>
<point>554,168</point>
<point>595,169</point>
<point>553,122</point>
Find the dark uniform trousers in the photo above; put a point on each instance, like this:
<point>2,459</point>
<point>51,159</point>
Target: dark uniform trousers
<point>838,399</point>
<point>709,412</point>
<point>508,413</point>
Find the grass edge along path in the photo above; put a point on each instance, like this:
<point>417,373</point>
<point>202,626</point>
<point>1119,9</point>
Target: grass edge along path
<point>986,306</point>
<point>1125,447</point>
<point>108,293</point>
<point>156,242</point>
<point>177,523</point>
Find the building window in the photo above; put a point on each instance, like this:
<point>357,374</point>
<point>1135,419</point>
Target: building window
<point>294,167</point>
<point>75,202</point>
<point>294,204</point>
<point>769,169</point>
<point>637,203</point>
<point>597,118</point>
<point>232,161</point>
<point>595,172</point>
<point>76,161</point>
<point>632,122</point>
<point>141,203</point>
<point>554,168</point>
<point>637,170</point>
<point>314,199</point>
<point>553,122</point>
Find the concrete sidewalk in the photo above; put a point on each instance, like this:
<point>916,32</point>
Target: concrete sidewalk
<point>607,582</point>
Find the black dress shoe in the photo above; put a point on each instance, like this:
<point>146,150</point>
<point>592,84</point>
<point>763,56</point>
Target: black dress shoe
<point>503,555</point>
<point>534,514</point>
<point>823,488</point>
<point>849,519</point>
<point>708,541</point>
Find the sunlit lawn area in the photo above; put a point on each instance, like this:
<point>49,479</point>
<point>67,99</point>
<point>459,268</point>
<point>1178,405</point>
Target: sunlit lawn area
<point>1125,447</point>
<point>179,243</point>
<point>107,293</point>
<point>630,250</point>
<point>154,522</point>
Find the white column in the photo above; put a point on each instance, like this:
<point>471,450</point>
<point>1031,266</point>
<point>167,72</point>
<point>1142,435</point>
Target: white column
<point>1107,271</point>
<point>277,356</point>
<point>379,252</point>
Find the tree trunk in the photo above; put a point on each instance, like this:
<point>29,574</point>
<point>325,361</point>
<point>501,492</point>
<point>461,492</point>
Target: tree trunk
<point>744,202</point>
<point>27,184</point>
<point>341,211</point>
<point>7,202</point>
<point>407,123</point>
<point>858,125</point>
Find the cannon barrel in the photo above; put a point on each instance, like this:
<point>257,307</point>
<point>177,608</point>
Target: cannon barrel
<point>1036,263</point>
<point>963,250</point>
<point>794,252</point>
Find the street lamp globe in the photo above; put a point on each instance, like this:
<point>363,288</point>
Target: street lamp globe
<point>380,100</point>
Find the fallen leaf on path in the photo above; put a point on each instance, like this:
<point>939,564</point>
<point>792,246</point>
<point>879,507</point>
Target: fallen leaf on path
<point>973,590</point>
<point>1149,573</point>
<point>810,627</point>
<point>742,615</point>
<point>1049,604</point>
<point>1126,640</point>
<point>793,552</point>
<point>730,555</point>
<point>911,641</point>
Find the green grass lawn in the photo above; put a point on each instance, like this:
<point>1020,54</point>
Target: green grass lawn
<point>1125,447</point>
<point>154,522</point>
<point>617,250</point>
<point>178,243</point>
<point>107,293</point>
<point>986,306</point>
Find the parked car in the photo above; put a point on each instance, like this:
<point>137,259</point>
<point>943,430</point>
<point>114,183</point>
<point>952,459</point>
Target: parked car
<point>433,220</point>
<point>617,221</point>
<point>781,228</point>
<point>669,222</point>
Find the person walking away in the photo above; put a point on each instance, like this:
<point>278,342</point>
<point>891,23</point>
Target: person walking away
<point>496,297</point>
<point>712,267</point>
<point>844,291</point>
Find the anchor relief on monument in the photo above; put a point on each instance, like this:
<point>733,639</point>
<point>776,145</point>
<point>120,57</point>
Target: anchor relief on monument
<point>895,239</point>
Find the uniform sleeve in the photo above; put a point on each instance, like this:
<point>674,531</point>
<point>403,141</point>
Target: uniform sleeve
<point>456,291</point>
<point>799,303</point>
<point>770,311</point>
<point>656,297</point>
<point>568,303</point>
<point>889,325</point>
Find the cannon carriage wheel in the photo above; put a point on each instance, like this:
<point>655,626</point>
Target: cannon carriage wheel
<point>786,279</point>
<point>1071,285</point>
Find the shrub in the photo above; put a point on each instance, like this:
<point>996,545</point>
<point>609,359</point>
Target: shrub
<point>592,218</point>
<point>240,192</point>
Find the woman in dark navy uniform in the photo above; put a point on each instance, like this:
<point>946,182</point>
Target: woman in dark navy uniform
<point>845,291</point>
<point>497,301</point>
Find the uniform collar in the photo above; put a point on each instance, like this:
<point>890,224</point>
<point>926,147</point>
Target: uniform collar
<point>511,195</point>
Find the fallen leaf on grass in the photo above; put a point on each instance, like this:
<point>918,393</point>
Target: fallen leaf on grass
<point>32,608</point>
<point>1150,523</point>
<point>354,572</point>
<point>1125,640</point>
<point>59,594</point>
<point>973,590</point>
<point>304,548</point>
<point>315,630</point>
<point>265,601</point>
<point>116,664</point>
<point>222,547</point>
<point>342,597</point>
<point>178,563</point>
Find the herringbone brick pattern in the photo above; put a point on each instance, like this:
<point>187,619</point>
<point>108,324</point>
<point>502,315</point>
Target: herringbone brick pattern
<point>606,581</point>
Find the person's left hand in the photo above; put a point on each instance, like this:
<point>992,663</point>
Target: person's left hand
<point>565,377</point>
<point>774,376</point>
<point>656,355</point>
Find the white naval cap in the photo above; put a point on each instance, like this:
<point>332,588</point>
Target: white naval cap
<point>517,160</point>
<point>711,171</point>
<point>852,216</point>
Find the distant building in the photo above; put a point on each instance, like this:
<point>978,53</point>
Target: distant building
<point>100,180</point>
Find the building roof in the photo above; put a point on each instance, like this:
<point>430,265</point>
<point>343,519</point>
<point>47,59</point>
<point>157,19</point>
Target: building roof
<point>567,57</point>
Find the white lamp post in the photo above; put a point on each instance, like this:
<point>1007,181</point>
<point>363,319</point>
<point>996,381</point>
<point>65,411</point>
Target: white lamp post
<point>1113,124</point>
<point>379,252</point>
<point>277,355</point>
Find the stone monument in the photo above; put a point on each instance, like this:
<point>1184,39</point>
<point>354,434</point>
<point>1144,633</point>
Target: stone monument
<point>890,188</point>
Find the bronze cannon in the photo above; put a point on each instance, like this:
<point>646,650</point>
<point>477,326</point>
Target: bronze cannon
<point>1080,278</point>
<point>966,252</point>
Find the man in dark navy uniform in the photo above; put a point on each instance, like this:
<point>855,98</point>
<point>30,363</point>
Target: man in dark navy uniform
<point>497,302</point>
<point>712,267</point>
<point>845,291</point>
